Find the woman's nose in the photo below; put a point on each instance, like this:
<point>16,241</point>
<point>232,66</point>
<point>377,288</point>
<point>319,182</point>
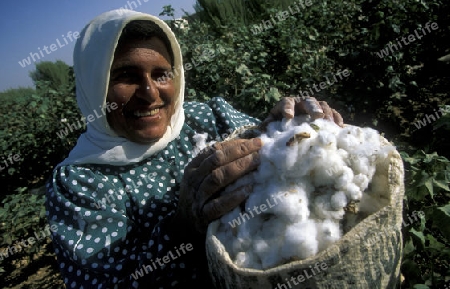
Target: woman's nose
<point>148,89</point>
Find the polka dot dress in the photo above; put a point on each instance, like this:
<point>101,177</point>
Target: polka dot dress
<point>112,221</point>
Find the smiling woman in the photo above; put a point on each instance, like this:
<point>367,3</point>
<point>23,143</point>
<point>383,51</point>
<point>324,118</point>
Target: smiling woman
<point>146,104</point>
<point>121,58</point>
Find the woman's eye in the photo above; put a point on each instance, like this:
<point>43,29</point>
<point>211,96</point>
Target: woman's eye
<point>126,76</point>
<point>162,77</point>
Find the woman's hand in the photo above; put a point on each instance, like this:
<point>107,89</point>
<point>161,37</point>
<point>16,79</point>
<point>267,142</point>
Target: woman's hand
<point>208,174</point>
<point>288,107</point>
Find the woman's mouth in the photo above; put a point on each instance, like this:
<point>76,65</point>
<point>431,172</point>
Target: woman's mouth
<point>146,113</point>
<point>143,112</point>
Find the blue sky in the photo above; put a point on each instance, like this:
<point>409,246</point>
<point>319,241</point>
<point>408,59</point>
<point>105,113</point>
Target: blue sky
<point>26,26</point>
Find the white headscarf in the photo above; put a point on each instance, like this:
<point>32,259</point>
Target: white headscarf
<point>93,56</point>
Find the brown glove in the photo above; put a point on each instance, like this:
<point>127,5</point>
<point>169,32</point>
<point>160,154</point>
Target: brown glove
<point>208,174</point>
<point>288,107</point>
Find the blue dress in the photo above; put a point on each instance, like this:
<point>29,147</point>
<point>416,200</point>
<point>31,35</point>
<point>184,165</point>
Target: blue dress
<point>113,221</point>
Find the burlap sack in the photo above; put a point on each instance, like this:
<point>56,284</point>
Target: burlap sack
<point>366,257</point>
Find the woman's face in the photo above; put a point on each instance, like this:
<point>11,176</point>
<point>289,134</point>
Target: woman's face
<point>145,103</point>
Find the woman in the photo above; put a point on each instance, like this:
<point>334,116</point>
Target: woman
<point>129,213</point>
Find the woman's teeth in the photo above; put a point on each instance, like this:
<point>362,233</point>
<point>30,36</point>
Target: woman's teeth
<point>147,113</point>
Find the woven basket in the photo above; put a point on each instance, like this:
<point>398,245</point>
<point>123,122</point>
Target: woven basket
<point>352,262</point>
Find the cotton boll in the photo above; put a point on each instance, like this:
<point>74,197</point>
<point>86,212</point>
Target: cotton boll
<point>327,140</point>
<point>328,232</point>
<point>250,227</point>
<point>299,241</point>
<point>264,194</point>
<point>350,138</point>
<point>228,218</point>
<point>371,136</point>
<point>338,200</point>
<point>266,169</point>
<point>272,229</point>
<point>247,259</point>
<point>200,143</point>
<point>345,178</point>
<point>362,181</point>
<point>353,192</point>
<point>326,170</point>
<point>268,250</point>
<point>286,124</point>
<point>323,210</point>
<point>360,165</point>
<point>241,244</point>
<point>291,204</point>
<point>327,125</point>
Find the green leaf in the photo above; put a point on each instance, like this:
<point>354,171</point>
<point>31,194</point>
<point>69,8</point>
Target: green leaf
<point>445,210</point>
<point>441,185</point>
<point>429,185</point>
<point>408,248</point>
<point>421,286</point>
<point>441,220</point>
<point>418,236</point>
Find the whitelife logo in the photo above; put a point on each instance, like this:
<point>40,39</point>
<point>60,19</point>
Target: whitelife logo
<point>12,249</point>
<point>393,47</point>
<point>108,107</point>
<point>53,47</point>
<point>166,259</point>
<point>237,221</point>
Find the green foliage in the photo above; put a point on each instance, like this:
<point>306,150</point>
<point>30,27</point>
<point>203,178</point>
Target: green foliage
<point>29,128</point>
<point>21,216</point>
<point>168,11</point>
<point>252,68</point>
<point>56,74</point>
<point>234,13</point>
<point>427,244</point>
<point>10,95</point>
<point>316,42</point>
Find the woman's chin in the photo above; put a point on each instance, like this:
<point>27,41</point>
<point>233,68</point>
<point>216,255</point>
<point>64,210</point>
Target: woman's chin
<point>147,137</point>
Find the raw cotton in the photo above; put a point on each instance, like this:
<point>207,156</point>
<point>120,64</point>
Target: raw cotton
<point>314,180</point>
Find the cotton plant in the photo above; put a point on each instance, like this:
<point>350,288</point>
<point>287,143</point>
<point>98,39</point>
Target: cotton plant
<point>313,178</point>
